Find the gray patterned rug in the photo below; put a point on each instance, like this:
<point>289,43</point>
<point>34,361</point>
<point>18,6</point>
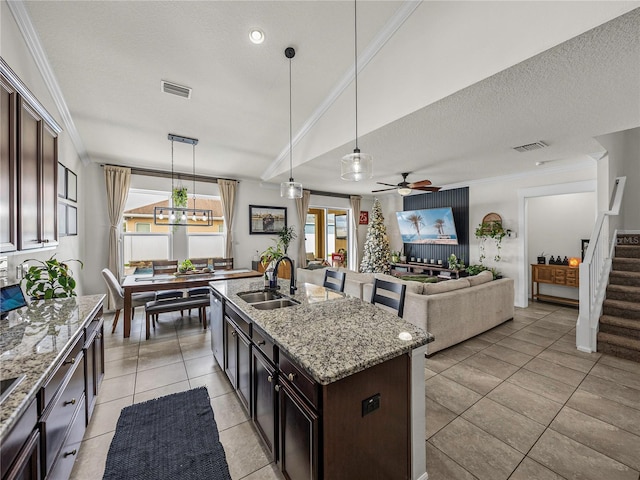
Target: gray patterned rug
<point>171,437</point>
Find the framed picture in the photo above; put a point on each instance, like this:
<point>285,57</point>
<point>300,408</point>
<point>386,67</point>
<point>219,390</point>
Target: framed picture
<point>341,226</point>
<point>266,220</point>
<point>584,244</point>
<point>72,220</point>
<point>62,219</point>
<point>72,186</point>
<point>62,181</point>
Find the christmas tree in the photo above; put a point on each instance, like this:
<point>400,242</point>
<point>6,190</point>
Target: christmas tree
<point>375,258</point>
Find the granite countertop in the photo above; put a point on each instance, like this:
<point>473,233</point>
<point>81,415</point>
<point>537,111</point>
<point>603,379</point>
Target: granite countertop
<point>32,340</point>
<point>329,334</point>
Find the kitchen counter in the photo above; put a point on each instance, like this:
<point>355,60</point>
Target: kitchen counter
<point>32,340</point>
<point>330,335</point>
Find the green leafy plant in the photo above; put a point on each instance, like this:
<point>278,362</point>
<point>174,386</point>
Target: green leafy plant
<point>285,236</point>
<point>179,197</point>
<point>493,230</point>
<point>271,254</point>
<point>455,263</point>
<point>186,266</point>
<point>50,279</point>
<point>476,269</point>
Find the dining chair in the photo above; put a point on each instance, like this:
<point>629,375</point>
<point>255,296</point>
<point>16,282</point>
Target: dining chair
<point>166,267</point>
<point>222,263</point>
<point>199,264</point>
<point>395,300</point>
<point>334,280</point>
<point>117,295</point>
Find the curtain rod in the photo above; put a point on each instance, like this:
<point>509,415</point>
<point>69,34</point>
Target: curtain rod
<point>162,174</point>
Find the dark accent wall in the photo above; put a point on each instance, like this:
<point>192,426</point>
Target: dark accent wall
<point>458,200</point>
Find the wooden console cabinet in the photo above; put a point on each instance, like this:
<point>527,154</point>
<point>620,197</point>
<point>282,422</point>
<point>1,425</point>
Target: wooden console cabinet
<point>560,275</point>
<point>284,269</point>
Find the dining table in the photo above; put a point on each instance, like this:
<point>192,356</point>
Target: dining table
<point>151,283</point>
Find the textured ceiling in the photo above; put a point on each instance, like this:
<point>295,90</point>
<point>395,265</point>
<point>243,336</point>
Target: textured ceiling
<point>446,89</point>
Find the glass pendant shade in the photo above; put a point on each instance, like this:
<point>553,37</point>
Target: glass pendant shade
<point>356,166</point>
<point>291,189</point>
<point>404,191</point>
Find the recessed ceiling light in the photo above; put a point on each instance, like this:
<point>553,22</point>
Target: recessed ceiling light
<point>256,36</point>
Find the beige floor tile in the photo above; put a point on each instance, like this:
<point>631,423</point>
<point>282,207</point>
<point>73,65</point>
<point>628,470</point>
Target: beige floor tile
<point>555,371</point>
<point>542,332</point>
<point>158,359</point>
<point>507,328</point>
<point>429,373</point>
<point>476,344</point>
<point>197,367</point>
<point>491,365</point>
<point>190,351</point>
<point>515,430</point>
<point>615,413</point>
<point>441,467</point>
<point>243,449</point>
<point>105,416</point>
<point>528,403</point>
<point>228,410</point>
<point>532,470</point>
<point>472,378</point>
<point>622,377</point>
<point>177,387</point>
<point>507,354</point>
<point>611,390</point>
<point>270,472</point>
<point>475,450</point>
<point>120,352</point>
<point>458,352</point>
<point>521,346</point>
<point>567,360</point>
<point>570,348</point>
<point>168,345</point>
<point>159,377</point>
<point>545,386</point>
<point>217,383</point>
<point>450,394</point>
<point>556,324</point>
<point>437,417</point>
<point>602,437</point>
<point>123,366</point>
<point>621,363</point>
<point>92,457</point>
<point>571,459</point>
<point>117,387</point>
<point>438,362</point>
<point>535,338</point>
<point>492,336</point>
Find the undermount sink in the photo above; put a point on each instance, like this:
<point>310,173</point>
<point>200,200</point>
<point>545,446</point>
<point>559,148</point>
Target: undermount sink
<point>273,304</point>
<point>259,296</point>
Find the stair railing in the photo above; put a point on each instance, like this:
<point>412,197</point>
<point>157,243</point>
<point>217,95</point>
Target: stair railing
<point>594,272</point>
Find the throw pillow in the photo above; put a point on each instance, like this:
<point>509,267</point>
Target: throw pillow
<point>479,279</point>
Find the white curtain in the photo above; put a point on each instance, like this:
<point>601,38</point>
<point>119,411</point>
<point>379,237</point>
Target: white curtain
<point>228,200</point>
<point>302,207</point>
<point>117,180</point>
<point>353,254</point>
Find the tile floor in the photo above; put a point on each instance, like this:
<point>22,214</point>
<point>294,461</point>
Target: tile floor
<point>516,402</point>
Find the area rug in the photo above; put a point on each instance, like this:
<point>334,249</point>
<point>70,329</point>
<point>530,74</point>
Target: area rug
<point>172,437</point>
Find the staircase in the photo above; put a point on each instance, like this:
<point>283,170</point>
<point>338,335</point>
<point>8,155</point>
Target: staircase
<point>619,330</point>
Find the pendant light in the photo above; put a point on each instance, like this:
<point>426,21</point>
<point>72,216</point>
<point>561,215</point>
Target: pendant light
<point>290,189</point>
<point>178,215</point>
<point>357,165</point>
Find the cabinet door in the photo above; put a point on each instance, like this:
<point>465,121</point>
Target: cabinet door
<point>27,465</point>
<point>29,178</point>
<point>298,437</point>
<point>264,400</point>
<point>244,370</point>
<point>94,365</point>
<point>231,353</point>
<point>49,216</point>
<point>216,318</point>
<point>8,206</point>
<point>543,274</point>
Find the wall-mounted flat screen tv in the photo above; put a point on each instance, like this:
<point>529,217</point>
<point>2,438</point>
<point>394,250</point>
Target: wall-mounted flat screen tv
<point>428,226</point>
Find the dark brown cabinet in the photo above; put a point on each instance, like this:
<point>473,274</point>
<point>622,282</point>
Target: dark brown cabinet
<point>263,399</point>
<point>29,167</point>
<point>94,363</point>
<point>27,466</point>
<point>238,360</point>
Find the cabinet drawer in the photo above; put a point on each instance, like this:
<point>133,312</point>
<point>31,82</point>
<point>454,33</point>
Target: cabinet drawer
<point>241,323</point>
<point>571,282</point>
<point>71,360</point>
<point>95,324</point>
<point>61,413</point>
<point>571,274</point>
<point>559,277</point>
<point>262,343</point>
<point>305,385</point>
<point>17,437</point>
<point>64,460</point>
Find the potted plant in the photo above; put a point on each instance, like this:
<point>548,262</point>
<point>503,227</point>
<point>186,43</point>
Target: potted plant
<point>50,279</point>
<point>186,266</point>
<point>286,236</point>
<point>395,256</point>
<point>492,230</point>
<point>455,264</point>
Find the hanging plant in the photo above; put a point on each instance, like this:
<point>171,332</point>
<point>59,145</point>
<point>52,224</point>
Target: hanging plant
<point>493,230</point>
<point>179,197</point>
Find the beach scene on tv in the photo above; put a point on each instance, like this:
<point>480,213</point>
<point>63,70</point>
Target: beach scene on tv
<point>432,225</point>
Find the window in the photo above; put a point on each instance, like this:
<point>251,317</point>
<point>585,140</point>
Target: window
<point>143,227</point>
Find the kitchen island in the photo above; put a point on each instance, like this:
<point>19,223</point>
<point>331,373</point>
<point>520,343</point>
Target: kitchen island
<point>334,385</point>
<point>54,351</point>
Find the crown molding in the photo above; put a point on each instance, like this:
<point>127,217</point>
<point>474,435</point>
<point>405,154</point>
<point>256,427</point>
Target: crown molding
<point>32,40</point>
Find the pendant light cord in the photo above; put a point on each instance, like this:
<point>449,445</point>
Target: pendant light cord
<point>290,130</point>
<point>172,172</point>
<point>193,145</point>
<point>355,62</point>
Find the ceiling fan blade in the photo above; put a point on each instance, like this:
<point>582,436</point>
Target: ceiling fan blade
<point>427,189</point>
<point>387,184</point>
<point>421,183</point>
<point>383,190</point>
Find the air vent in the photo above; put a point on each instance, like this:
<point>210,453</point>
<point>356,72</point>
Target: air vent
<point>530,146</point>
<point>175,89</point>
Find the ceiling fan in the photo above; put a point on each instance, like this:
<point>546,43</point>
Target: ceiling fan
<point>404,187</point>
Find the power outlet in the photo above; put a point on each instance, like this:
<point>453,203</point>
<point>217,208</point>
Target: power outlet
<point>21,269</point>
<point>370,404</point>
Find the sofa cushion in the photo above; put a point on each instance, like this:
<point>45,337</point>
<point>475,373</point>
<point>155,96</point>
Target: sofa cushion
<point>479,279</point>
<point>413,287</point>
<point>446,286</point>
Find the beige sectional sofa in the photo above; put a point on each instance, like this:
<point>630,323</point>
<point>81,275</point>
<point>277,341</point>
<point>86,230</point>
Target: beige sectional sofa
<point>452,311</point>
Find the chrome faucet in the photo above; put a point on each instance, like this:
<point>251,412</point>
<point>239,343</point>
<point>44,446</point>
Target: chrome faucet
<point>292,284</point>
